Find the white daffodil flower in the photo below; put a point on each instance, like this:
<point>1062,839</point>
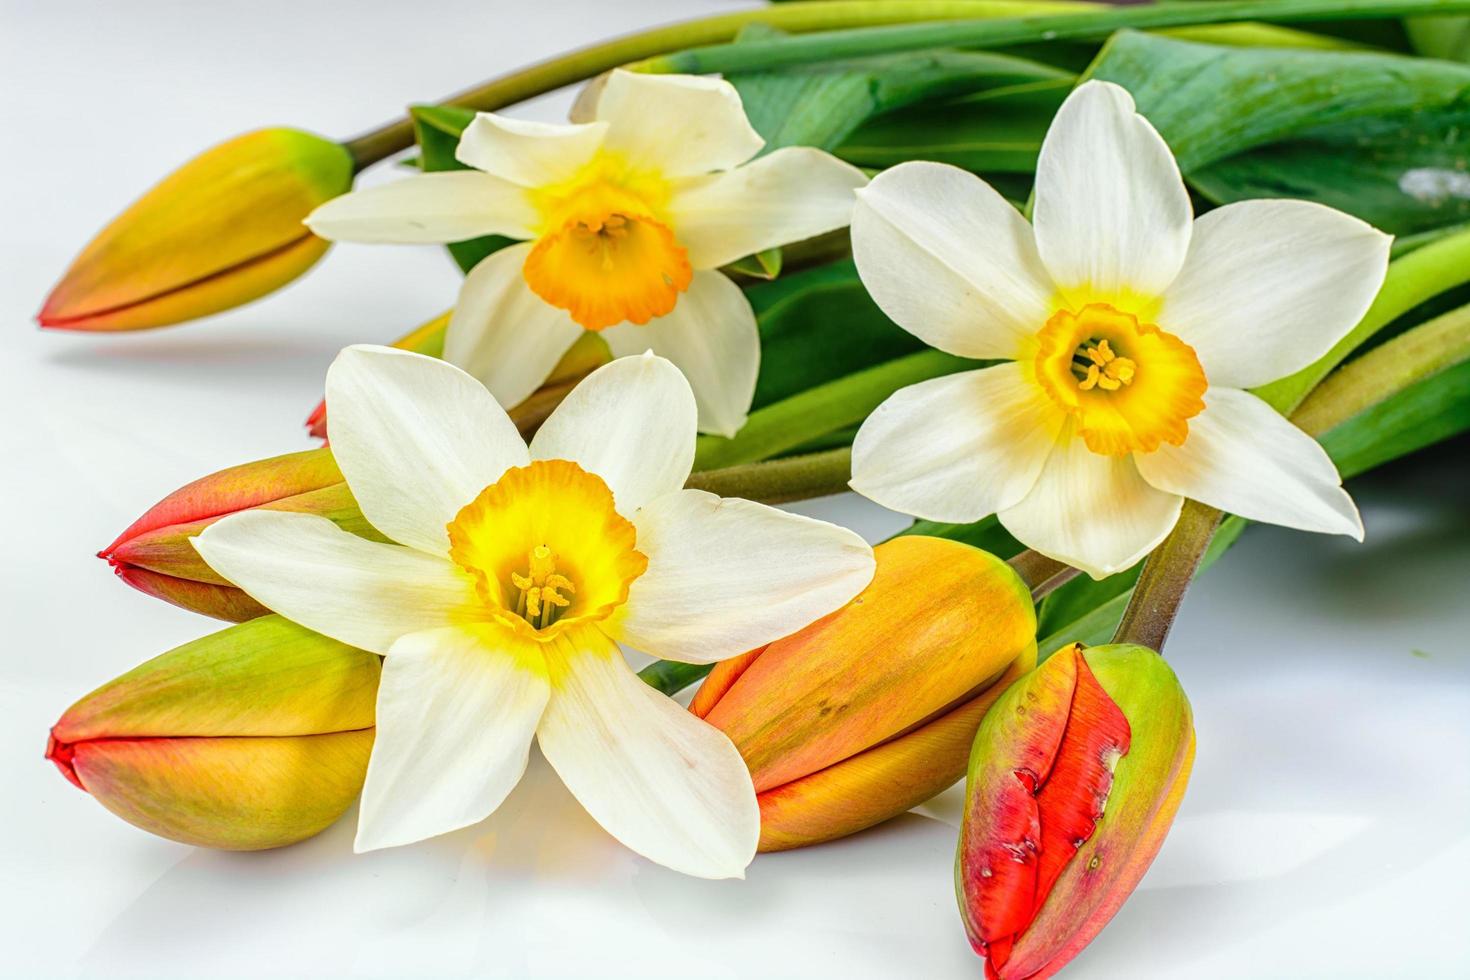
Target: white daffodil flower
<point>1130,329</point>
<point>516,573</point>
<point>625,221</point>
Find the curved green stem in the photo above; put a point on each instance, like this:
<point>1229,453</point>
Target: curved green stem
<point>798,17</point>
<point>1029,27</point>
<point>780,481</point>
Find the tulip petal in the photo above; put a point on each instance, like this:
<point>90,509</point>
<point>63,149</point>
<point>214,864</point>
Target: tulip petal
<point>711,337</point>
<point>950,260</point>
<point>1092,511</point>
<point>631,422</point>
<point>1112,215</point>
<point>956,448</point>
<point>457,708</point>
<point>793,193</point>
<point>1269,286</point>
<point>428,209</point>
<point>725,575</point>
<point>676,125</point>
<point>504,334</point>
<point>666,784</point>
<point>314,573</point>
<point>1243,457</point>
<point>526,153</point>
<point>417,439</point>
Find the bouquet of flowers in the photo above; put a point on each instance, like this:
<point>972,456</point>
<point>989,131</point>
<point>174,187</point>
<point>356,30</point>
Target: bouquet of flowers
<point>1082,288</point>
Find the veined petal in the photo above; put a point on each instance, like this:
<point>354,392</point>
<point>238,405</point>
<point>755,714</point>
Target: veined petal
<point>956,448</point>
<point>791,194</point>
<point>428,208</point>
<point>725,575</point>
<point>1269,286</point>
<point>949,260</point>
<point>676,125</point>
<point>667,784</point>
<point>361,592</point>
<point>711,337</point>
<point>1243,457</point>
<point>1092,511</point>
<point>1112,216</point>
<point>631,422</point>
<point>529,154</point>
<point>504,334</point>
<point>457,708</point>
<point>416,439</point>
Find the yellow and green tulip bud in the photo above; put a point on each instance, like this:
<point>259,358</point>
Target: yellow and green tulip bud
<point>257,736</point>
<point>222,230</point>
<point>154,554</point>
<point>871,710</point>
<point>1076,775</point>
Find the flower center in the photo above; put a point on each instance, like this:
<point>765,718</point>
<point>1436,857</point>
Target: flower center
<point>605,257</point>
<point>1128,385</point>
<point>546,548</point>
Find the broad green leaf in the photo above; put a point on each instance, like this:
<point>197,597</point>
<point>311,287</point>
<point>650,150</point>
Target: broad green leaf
<point>1378,135</point>
<point>437,129</point>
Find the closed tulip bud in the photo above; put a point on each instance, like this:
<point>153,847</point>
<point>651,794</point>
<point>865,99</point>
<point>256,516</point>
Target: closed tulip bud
<point>154,554</point>
<point>222,230</point>
<point>1076,775</point>
<point>871,710</point>
<point>254,737</point>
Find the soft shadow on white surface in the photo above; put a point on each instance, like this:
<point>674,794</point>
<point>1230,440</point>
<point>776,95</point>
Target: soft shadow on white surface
<point>1326,832</point>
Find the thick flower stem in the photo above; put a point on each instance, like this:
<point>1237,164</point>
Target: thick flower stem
<point>1028,27</point>
<point>781,480</point>
<point>796,17</point>
<point>1166,576</point>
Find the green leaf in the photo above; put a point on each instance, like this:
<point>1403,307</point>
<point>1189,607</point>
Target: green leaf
<point>1377,135</point>
<point>437,129</point>
<point>762,265</point>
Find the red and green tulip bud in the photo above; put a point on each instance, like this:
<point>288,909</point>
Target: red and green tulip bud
<point>256,736</point>
<point>1076,774</point>
<point>222,230</point>
<point>155,556</point>
<point>871,710</point>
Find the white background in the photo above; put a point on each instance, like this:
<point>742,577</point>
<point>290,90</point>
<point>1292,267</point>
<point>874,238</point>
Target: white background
<point>1326,831</point>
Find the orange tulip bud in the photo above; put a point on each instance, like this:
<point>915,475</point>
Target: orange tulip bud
<point>871,710</point>
<point>222,230</point>
<point>253,737</point>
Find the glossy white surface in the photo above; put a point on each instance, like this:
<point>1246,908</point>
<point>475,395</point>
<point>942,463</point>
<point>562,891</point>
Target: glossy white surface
<point>1326,832</point>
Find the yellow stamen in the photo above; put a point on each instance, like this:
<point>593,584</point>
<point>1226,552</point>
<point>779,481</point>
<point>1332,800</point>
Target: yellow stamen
<point>541,588</point>
<point>1129,385</point>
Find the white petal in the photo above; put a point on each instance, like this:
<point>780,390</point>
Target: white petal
<point>1269,286</point>
<point>530,154</point>
<point>711,337</point>
<point>1243,457</point>
<point>416,439</point>
<point>791,194</point>
<point>428,208</point>
<point>676,125</point>
<point>456,713</point>
<point>956,448</point>
<point>949,260</point>
<point>504,334</point>
<point>667,784</point>
<point>1112,215</point>
<point>726,575</point>
<point>1092,511</point>
<point>631,422</point>
<point>312,572</point>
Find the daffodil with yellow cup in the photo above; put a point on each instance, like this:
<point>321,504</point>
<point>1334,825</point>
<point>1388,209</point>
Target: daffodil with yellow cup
<point>1130,331</point>
<point>624,220</point>
<point>517,572</point>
